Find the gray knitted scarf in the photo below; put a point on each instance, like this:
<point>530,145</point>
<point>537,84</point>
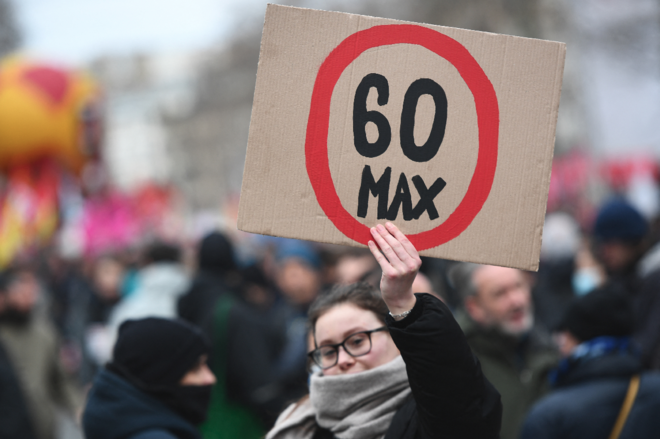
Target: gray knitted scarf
<point>354,406</point>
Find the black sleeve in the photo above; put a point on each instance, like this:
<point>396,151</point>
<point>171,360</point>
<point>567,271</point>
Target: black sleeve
<point>454,399</point>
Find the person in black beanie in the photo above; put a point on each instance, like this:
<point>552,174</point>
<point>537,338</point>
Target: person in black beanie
<point>157,386</point>
<point>618,235</point>
<point>591,382</point>
<point>621,242</point>
<point>216,267</point>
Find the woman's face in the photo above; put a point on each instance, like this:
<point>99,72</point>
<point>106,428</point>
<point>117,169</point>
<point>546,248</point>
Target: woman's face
<point>345,319</point>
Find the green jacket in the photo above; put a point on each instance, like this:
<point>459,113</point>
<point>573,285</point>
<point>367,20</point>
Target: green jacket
<point>517,368</point>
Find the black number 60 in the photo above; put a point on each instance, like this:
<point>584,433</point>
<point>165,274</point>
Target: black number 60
<point>361,117</point>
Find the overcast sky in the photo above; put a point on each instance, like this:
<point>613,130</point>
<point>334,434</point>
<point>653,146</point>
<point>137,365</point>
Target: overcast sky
<point>74,31</point>
<point>624,103</point>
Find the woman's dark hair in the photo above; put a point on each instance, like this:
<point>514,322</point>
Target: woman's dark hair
<point>361,294</point>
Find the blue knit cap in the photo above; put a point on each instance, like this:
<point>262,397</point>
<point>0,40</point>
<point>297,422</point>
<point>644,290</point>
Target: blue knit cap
<point>617,220</point>
<point>293,248</point>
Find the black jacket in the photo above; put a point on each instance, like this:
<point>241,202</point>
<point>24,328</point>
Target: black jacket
<point>451,396</point>
<point>196,304</point>
<point>646,306</point>
<point>15,422</point>
<point>249,352</point>
<point>588,400</point>
<point>118,410</point>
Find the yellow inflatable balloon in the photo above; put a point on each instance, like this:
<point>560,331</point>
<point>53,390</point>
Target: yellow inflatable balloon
<point>47,112</point>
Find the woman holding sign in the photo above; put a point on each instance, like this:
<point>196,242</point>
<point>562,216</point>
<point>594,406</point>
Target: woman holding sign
<point>391,367</point>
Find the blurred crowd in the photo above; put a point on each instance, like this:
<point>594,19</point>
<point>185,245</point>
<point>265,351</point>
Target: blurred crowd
<point>561,346</point>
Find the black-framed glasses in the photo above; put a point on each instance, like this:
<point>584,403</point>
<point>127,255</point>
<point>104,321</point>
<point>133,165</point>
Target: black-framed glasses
<point>355,345</point>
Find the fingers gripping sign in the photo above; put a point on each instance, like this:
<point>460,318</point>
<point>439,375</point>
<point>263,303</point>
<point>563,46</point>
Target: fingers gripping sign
<point>400,263</point>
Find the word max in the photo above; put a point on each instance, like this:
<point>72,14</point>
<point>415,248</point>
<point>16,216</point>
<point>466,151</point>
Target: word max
<point>402,199</point>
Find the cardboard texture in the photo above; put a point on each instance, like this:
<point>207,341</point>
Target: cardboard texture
<point>462,123</point>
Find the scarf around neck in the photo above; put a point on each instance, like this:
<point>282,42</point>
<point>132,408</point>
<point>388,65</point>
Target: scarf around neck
<point>353,406</point>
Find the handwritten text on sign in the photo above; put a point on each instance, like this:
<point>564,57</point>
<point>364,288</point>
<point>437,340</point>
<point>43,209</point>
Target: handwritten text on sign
<point>316,146</point>
<point>380,189</point>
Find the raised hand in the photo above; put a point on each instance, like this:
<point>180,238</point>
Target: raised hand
<point>400,262</point>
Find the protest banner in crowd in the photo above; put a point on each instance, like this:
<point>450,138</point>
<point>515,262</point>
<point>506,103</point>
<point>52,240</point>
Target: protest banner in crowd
<point>448,133</point>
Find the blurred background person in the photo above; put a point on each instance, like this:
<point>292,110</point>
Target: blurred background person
<point>271,310</point>
<point>33,347</point>
<point>246,397</point>
<point>588,272</point>
<point>298,278</point>
<point>158,384</point>
<point>107,278</point>
<point>620,235</point>
<point>15,420</point>
<point>498,322</point>
<point>259,291</point>
<point>553,287</point>
<point>216,274</point>
<point>68,293</point>
<point>422,284</point>
<point>357,265</point>
<point>161,281</point>
<point>105,293</point>
<point>596,374</point>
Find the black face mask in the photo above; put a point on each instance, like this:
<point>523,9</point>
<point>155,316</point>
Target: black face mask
<point>190,402</point>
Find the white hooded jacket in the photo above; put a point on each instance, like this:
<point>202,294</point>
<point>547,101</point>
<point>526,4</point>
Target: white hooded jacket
<point>159,288</point>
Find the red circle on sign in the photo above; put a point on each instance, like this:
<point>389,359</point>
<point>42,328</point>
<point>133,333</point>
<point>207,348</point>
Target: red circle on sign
<point>316,142</point>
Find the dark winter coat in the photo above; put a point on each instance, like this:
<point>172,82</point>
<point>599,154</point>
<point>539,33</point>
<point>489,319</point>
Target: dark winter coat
<point>15,422</point>
<point>589,398</point>
<point>33,348</point>
<point>249,351</point>
<point>196,304</point>
<point>517,368</point>
<point>642,281</point>
<point>118,410</point>
<point>553,292</point>
<point>646,305</point>
<point>451,396</point>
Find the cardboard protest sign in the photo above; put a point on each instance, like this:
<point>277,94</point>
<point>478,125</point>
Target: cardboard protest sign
<point>448,133</point>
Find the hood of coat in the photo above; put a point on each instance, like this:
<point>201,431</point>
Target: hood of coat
<point>117,409</point>
<point>607,366</point>
<point>163,279</point>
